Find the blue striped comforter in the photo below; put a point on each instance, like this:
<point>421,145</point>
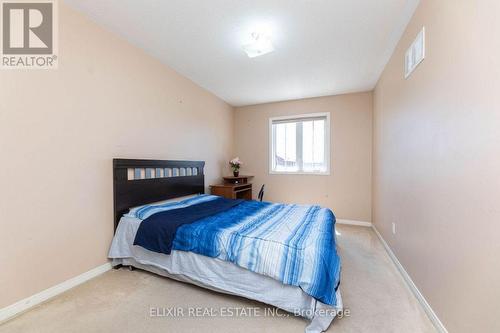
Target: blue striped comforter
<point>294,244</point>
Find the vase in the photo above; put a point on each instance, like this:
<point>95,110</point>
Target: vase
<point>236,173</point>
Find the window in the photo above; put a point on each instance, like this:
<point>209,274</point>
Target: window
<point>300,144</point>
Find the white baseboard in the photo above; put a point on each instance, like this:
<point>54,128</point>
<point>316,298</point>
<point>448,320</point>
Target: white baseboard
<point>24,304</point>
<point>421,299</point>
<point>353,222</point>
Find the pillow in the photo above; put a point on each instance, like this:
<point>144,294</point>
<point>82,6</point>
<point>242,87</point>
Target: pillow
<point>145,211</point>
<point>133,211</point>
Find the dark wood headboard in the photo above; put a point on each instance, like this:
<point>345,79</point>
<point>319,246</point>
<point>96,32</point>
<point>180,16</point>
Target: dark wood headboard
<point>139,182</point>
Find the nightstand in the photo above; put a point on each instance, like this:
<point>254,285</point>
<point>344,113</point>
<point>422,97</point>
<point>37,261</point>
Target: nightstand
<point>234,188</point>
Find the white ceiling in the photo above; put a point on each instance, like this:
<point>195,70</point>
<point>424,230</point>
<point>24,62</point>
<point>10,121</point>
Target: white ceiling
<point>322,47</point>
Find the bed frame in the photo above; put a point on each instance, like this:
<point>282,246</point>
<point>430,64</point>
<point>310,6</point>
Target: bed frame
<point>139,182</point>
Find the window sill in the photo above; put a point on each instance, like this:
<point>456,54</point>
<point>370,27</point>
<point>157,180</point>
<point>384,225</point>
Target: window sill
<point>300,173</point>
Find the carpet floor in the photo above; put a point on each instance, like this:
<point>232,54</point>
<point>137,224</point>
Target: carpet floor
<point>120,301</point>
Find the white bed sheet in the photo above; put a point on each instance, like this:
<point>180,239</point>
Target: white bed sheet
<point>219,275</point>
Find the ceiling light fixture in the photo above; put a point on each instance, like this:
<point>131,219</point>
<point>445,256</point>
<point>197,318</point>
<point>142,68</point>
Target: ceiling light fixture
<point>261,44</point>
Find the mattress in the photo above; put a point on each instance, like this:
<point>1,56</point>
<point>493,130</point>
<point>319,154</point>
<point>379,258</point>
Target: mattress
<point>221,276</point>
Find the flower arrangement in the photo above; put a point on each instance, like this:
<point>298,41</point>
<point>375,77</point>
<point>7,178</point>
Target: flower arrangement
<point>235,164</point>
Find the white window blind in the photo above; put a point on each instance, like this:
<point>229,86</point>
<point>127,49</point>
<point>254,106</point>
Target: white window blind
<point>300,144</point>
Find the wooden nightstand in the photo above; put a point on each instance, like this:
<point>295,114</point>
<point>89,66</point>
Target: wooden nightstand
<point>234,188</point>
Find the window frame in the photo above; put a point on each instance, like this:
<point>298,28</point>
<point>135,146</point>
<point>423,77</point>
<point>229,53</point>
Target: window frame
<point>298,117</point>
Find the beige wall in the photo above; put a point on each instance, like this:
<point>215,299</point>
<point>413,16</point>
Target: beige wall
<point>437,161</point>
<point>347,191</point>
<point>59,130</point>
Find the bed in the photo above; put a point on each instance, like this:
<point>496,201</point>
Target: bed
<point>281,255</point>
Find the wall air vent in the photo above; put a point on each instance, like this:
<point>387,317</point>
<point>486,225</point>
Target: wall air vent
<point>415,53</point>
